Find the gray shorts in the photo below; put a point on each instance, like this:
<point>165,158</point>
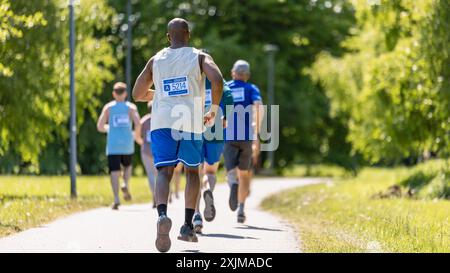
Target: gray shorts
<point>238,154</point>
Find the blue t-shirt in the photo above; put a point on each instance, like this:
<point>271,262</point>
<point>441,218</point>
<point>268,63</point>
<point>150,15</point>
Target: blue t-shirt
<point>244,96</point>
<point>119,140</point>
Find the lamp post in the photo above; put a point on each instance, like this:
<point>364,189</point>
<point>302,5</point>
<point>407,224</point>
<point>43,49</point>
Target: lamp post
<point>129,45</point>
<point>73,117</point>
<point>271,50</point>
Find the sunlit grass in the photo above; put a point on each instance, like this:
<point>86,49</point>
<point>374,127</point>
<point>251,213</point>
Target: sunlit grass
<point>345,217</point>
<point>319,170</point>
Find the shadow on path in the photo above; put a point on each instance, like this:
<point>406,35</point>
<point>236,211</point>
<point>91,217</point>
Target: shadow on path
<point>259,228</point>
<point>191,251</point>
<point>227,236</point>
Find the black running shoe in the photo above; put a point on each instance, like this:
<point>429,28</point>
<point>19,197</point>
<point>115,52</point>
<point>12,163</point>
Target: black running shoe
<point>115,206</point>
<point>241,217</point>
<point>198,223</point>
<point>233,201</point>
<point>162,237</point>
<point>187,234</point>
<point>210,210</point>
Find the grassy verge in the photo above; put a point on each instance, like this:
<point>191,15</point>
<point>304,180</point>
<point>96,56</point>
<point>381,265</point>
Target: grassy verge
<point>349,216</point>
<point>319,170</point>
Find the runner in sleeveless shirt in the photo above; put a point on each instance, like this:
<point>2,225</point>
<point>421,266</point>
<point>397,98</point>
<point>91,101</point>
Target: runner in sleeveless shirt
<point>116,121</point>
<point>178,73</point>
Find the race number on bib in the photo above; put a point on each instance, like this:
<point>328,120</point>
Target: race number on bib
<point>208,97</point>
<point>120,120</point>
<point>238,94</point>
<point>174,87</point>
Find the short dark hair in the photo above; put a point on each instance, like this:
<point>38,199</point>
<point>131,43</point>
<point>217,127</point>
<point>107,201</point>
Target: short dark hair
<point>119,88</point>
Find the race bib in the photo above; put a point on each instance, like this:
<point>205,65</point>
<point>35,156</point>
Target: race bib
<point>174,87</point>
<point>208,97</point>
<point>120,120</point>
<point>148,136</point>
<point>238,94</point>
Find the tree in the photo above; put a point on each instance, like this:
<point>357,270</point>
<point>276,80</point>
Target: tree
<point>393,85</point>
<point>34,97</point>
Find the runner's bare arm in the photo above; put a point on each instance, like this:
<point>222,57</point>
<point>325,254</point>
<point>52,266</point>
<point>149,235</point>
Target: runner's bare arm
<point>137,124</point>
<point>143,83</point>
<point>102,125</point>
<point>258,116</point>
<point>212,72</point>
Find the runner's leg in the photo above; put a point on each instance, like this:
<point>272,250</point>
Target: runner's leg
<point>151,173</point>
<point>115,186</point>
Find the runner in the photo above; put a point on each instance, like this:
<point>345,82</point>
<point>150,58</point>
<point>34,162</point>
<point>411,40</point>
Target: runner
<point>115,120</point>
<point>240,135</point>
<point>146,151</point>
<point>178,73</point>
<point>211,152</point>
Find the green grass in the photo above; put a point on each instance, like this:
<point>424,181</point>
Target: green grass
<point>319,170</point>
<point>344,216</point>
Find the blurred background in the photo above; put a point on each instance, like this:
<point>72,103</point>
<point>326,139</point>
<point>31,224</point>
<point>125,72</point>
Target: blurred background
<point>361,82</point>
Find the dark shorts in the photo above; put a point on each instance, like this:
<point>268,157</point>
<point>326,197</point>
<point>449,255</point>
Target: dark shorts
<point>114,162</point>
<point>238,154</point>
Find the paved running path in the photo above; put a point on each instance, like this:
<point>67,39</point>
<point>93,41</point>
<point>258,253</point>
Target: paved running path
<point>133,228</point>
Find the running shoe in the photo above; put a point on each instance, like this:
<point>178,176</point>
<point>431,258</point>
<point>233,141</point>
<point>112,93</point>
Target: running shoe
<point>126,193</point>
<point>241,217</point>
<point>198,223</point>
<point>115,206</point>
<point>233,201</point>
<point>210,210</point>
<point>162,237</point>
<point>187,234</point>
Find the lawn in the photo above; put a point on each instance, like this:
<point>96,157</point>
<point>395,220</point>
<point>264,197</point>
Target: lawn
<point>349,214</point>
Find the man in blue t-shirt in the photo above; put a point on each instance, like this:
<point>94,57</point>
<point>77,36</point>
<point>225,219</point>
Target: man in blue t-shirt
<point>117,120</point>
<point>241,134</point>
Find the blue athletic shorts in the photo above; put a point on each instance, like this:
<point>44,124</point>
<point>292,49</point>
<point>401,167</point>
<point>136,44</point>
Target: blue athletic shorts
<point>171,146</point>
<point>212,151</point>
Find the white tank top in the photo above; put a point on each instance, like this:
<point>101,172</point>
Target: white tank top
<point>179,90</point>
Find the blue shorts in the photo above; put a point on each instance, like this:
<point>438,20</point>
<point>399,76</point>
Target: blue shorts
<point>171,146</point>
<point>212,151</point>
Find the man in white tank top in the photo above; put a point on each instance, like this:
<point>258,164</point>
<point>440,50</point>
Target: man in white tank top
<point>178,74</point>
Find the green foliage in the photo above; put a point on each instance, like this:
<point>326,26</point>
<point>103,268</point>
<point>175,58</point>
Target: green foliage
<point>392,86</point>
<point>34,94</point>
<point>428,181</point>
<point>35,137</point>
<point>233,30</point>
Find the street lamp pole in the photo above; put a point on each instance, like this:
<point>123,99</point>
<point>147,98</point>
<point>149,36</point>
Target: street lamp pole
<point>271,50</point>
<point>129,46</point>
<point>73,117</point>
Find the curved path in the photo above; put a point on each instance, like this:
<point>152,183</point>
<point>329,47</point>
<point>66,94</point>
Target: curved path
<point>133,227</point>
